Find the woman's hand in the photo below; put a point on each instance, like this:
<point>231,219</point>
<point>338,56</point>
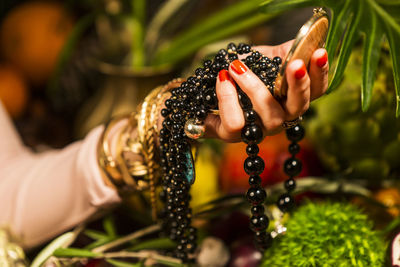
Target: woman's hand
<point>303,87</point>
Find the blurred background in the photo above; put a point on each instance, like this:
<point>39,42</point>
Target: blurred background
<point>68,66</point>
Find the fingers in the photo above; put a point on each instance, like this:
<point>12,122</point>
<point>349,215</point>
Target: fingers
<point>298,95</point>
<point>318,72</point>
<point>231,115</point>
<point>270,111</point>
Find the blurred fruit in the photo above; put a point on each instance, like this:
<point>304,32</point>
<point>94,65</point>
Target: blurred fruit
<point>245,254</point>
<point>390,197</point>
<point>274,151</point>
<point>32,36</point>
<point>13,90</point>
<point>361,145</point>
<point>205,187</point>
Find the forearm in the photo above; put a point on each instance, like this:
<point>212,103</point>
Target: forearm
<point>47,193</point>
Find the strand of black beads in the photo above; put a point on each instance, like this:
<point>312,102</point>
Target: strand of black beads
<point>267,70</point>
<point>292,167</point>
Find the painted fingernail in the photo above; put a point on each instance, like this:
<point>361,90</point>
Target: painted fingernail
<point>238,67</point>
<point>299,74</point>
<point>321,61</point>
<point>223,75</point>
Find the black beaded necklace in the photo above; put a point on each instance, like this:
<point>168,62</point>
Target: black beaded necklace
<point>188,106</point>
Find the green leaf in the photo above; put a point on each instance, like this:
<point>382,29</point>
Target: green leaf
<point>75,252</point>
<point>394,41</point>
<point>284,5</point>
<point>172,264</point>
<point>109,226</point>
<point>158,243</point>
<point>99,242</point>
<point>339,20</point>
<point>59,242</point>
<point>119,263</point>
<point>95,234</point>
<point>69,47</point>
<point>389,2</point>
<point>351,36</point>
<point>371,55</point>
<point>220,24</point>
<point>138,27</point>
<point>389,20</point>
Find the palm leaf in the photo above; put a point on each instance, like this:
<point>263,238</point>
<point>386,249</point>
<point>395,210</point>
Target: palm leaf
<point>372,18</point>
<point>372,48</point>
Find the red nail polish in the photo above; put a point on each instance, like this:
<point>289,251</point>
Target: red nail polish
<point>322,60</point>
<point>223,75</point>
<point>238,67</point>
<point>299,74</point>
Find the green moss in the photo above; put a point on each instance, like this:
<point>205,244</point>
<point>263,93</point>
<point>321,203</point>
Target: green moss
<point>327,234</point>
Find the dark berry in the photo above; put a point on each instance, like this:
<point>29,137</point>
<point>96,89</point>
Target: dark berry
<point>252,133</point>
<point>252,149</point>
<point>290,184</point>
<point>259,223</point>
<point>256,195</point>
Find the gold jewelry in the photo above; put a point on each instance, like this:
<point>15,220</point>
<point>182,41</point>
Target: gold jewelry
<point>292,123</point>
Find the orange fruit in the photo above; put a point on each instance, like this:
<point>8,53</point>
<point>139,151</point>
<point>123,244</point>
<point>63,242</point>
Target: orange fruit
<point>390,197</point>
<point>32,36</point>
<point>13,90</point>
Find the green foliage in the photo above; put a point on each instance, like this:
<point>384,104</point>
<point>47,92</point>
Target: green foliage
<point>350,21</point>
<point>327,234</point>
<point>361,145</point>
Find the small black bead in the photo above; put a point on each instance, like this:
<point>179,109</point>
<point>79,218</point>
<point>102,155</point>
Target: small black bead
<point>292,166</point>
<point>256,195</point>
<point>296,133</point>
<point>250,60</point>
<point>285,202</point>
<point>252,149</point>
<point>232,47</point>
<point>257,210</point>
<point>246,48</point>
<point>232,57</point>
<point>252,133</point>
<point>259,223</point>
<point>254,180</point>
<point>168,103</point>
<point>222,52</point>
<point>210,99</point>
<point>201,114</point>
<point>294,148</point>
<point>290,184</point>
<point>250,115</point>
<point>219,58</point>
<point>254,165</point>
<point>277,60</point>
<point>207,63</point>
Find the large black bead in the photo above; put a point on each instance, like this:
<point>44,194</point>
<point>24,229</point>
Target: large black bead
<point>259,223</point>
<point>292,166</point>
<point>296,133</point>
<point>252,133</point>
<point>290,184</point>
<point>252,149</point>
<point>256,195</point>
<point>254,165</point>
<point>285,202</point>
